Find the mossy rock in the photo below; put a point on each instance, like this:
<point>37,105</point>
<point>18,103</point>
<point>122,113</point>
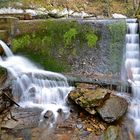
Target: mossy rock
<point>90,98</point>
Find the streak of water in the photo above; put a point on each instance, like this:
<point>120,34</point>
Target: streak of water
<point>132,65</point>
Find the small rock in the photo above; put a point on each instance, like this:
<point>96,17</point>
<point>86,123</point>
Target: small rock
<point>112,133</point>
<point>60,111</point>
<point>79,126</point>
<point>115,15</point>
<point>48,114</point>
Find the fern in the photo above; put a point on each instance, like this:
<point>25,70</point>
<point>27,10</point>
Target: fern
<point>91,39</point>
<point>69,35</point>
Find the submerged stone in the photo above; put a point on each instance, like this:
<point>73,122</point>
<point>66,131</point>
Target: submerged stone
<point>112,109</point>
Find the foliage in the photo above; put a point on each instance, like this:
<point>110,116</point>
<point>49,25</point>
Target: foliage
<point>91,39</point>
<point>69,35</point>
<point>55,41</point>
<point>23,42</point>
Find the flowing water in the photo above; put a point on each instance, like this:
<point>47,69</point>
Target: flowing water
<point>132,65</point>
<point>33,87</point>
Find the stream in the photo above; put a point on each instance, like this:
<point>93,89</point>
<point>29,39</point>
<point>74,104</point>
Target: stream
<point>45,112</point>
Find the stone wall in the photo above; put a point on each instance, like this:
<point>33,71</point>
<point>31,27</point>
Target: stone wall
<point>104,58</point>
<point>8,27</point>
<point>107,56</point>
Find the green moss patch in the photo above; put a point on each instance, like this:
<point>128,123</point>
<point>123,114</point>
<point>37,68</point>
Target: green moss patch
<point>54,43</point>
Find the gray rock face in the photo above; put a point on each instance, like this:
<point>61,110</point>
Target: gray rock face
<point>112,109</point>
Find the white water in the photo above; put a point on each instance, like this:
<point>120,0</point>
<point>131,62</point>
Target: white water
<point>132,65</point>
<point>6,49</point>
<point>33,87</point>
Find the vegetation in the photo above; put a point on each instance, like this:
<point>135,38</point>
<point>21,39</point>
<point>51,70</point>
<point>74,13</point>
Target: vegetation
<point>55,42</point>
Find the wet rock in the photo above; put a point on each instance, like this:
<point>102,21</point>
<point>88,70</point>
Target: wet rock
<point>89,98</point>
<point>48,114</point>
<point>22,118</point>
<point>61,116</point>
<point>112,133</point>
<point>60,111</point>
<point>112,109</point>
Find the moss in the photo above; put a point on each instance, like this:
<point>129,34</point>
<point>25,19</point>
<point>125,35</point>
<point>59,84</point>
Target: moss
<point>69,36</point>
<point>54,43</point>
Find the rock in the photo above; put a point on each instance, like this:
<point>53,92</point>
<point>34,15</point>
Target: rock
<point>76,15</point>
<point>60,111</point>
<point>22,118</point>
<point>10,124</point>
<point>115,15</point>
<point>61,116</point>
<point>55,13</point>
<point>48,114</point>
<point>112,109</point>
<point>79,126</point>
<point>112,133</point>
<point>81,14</point>
<point>88,99</point>
<point>30,11</point>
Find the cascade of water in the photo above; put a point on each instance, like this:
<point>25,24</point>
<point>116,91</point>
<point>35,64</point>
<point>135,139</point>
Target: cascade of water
<point>6,49</point>
<point>33,87</point>
<point>132,65</point>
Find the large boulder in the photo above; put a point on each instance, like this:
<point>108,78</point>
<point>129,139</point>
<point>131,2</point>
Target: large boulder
<point>89,97</point>
<point>95,99</point>
<point>113,108</point>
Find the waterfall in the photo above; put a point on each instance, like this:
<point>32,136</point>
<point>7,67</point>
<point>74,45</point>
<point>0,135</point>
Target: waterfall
<point>34,87</point>
<point>6,49</point>
<point>132,65</point>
